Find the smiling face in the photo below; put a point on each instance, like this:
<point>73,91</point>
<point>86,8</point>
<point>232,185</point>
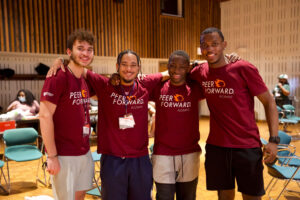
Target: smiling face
<point>128,68</point>
<point>82,53</point>
<point>212,47</point>
<point>178,68</point>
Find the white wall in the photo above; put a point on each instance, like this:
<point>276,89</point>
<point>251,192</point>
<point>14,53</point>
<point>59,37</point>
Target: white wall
<point>266,33</point>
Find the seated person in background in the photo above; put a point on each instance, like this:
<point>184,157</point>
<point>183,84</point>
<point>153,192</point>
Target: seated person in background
<point>25,102</point>
<point>281,91</point>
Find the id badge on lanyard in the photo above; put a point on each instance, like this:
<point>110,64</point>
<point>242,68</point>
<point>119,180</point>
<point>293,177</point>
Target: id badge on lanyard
<point>127,121</point>
<point>86,130</point>
<point>86,127</point>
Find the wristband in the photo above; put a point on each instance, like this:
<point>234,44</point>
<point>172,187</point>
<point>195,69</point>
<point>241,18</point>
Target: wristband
<point>52,156</point>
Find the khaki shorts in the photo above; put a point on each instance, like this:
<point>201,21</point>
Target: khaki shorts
<point>76,174</point>
<point>172,169</point>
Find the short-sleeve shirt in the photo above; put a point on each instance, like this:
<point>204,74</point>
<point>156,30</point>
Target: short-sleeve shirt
<point>279,94</point>
<point>71,97</point>
<point>177,118</point>
<point>229,92</point>
<point>130,142</point>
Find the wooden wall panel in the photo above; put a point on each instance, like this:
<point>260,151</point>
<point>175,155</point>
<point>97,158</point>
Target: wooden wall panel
<point>39,26</point>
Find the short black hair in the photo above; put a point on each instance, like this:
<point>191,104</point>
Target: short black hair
<point>128,51</point>
<point>81,35</point>
<point>180,53</point>
<point>211,30</point>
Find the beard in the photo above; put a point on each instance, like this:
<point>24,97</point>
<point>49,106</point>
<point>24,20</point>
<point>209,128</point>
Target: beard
<point>126,80</point>
<point>73,58</point>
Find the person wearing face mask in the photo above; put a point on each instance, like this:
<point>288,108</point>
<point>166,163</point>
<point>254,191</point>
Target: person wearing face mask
<point>25,101</point>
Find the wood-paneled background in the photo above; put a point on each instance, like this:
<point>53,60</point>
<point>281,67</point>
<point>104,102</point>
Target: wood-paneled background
<point>42,26</point>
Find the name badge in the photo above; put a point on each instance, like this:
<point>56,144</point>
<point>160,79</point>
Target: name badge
<point>126,122</point>
<point>86,130</point>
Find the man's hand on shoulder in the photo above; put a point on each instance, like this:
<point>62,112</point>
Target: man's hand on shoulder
<point>115,79</point>
<point>233,57</point>
<point>57,64</point>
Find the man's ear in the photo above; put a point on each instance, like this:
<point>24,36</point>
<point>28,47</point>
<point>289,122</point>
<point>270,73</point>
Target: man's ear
<point>69,52</point>
<point>117,67</point>
<point>224,44</point>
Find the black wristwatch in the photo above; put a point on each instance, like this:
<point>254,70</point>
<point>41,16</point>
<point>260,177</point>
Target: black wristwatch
<point>274,139</point>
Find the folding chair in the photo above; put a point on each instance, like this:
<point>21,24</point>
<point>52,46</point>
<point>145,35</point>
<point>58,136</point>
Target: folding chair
<point>96,191</point>
<point>285,169</point>
<point>289,111</point>
<point>284,121</point>
<point>19,147</point>
<point>286,139</point>
<point>283,172</point>
<point>2,174</point>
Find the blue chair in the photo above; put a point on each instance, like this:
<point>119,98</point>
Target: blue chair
<point>283,120</point>
<point>2,174</point>
<point>19,147</point>
<point>286,139</point>
<point>96,191</point>
<point>289,111</point>
<point>263,141</point>
<point>288,164</point>
<point>151,148</point>
<point>283,172</point>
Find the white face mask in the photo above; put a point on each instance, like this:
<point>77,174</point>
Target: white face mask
<point>22,99</point>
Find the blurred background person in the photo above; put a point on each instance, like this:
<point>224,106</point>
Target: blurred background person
<point>25,102</point>
<point>281,91</point>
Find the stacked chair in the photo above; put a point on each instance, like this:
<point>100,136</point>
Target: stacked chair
<point>284,120</point>
<point>287,167</point>
<point>289,111</point>
<point>2,175</point>
<point>21,145</point>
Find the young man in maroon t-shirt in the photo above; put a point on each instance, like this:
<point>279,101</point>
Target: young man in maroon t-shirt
<point>233,150</point>
<point>126,171</point>
<point>176,156</point>
<point>64,119</point>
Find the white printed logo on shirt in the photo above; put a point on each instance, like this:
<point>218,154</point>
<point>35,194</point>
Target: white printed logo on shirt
<point>122,100</point>
<point>48,94</point>
<point>79,97</point>
<point>174,101</point>
<point>218,87</point>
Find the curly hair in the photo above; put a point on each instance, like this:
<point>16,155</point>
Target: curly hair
<point>28,95</point>
<point>81,35</point>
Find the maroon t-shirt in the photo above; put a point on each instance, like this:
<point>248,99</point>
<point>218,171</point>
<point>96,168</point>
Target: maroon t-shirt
<point>177,118</point>
<point>130,142</point>
<point>71,96</point>
<point>229,92</point>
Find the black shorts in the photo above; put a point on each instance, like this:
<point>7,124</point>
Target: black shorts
<point>224,165</point>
